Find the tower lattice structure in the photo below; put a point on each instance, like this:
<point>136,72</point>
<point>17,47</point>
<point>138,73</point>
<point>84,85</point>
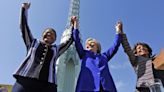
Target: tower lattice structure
<point>68,65</point>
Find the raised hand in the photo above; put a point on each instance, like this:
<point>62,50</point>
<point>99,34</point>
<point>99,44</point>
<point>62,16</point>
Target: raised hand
<point>74,21</point>
<point>119,27</point>
<point>26,5</point>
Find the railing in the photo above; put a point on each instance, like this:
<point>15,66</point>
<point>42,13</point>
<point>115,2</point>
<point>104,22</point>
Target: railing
<point>157,86</point>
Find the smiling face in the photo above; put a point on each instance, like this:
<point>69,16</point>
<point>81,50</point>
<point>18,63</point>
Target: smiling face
<point>92,45</point>
<point>142,49</point>
<point>49,36</point>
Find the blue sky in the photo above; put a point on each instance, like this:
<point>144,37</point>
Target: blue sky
<point>142,20</point>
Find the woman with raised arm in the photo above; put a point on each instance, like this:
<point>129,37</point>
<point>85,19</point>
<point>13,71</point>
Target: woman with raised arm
<point>94,74</point>
<point>141,59</point>
<point>37,72</point>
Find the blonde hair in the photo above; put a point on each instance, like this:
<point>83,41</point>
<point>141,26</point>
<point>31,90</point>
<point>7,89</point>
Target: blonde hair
<point>97,43</point>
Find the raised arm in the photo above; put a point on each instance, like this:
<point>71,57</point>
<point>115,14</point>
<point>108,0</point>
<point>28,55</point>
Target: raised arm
<point>78,45</point>
<point>128,50</point>
<point>65,45</point>
<point>26,34</point>
<point>114,48</point>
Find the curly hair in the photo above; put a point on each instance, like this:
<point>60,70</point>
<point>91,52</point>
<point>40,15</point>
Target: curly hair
<point>145,45</point>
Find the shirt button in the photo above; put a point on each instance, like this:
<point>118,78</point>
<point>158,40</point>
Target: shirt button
<point>41,63</point>
<point>42,58</point>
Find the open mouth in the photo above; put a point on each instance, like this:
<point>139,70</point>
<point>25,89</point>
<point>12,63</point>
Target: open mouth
<point>48,37</point>
<point>90,46</point>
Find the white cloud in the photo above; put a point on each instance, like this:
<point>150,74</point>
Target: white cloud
<point>124,86</point>
<point>120,85</point>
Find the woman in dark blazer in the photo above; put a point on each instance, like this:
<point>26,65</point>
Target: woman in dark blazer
<point>94,74</point>
<point>37,72</point>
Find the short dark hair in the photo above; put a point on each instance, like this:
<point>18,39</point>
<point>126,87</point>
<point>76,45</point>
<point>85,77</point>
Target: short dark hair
<point>51,29</point>
<point>143,44</point>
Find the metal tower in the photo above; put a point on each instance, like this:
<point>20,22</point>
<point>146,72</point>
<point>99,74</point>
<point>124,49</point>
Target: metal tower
<point>68,65</point>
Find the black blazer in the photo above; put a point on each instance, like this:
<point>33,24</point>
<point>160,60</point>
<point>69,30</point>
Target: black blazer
<point>30,68</point>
